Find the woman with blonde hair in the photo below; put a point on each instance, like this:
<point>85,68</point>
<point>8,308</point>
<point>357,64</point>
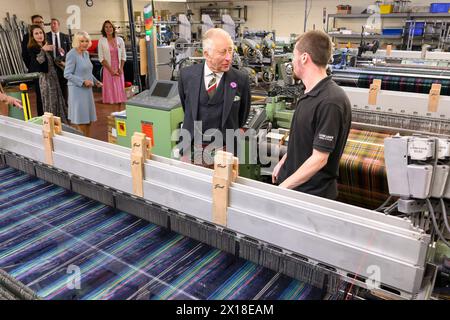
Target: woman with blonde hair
<point>80,80</point>
<point>41,61</point>
<point>112,55</point>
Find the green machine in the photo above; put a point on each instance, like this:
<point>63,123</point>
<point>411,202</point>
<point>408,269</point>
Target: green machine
<point>278,113</point>
<point>9,80</point>
<point>157,112</point>
<point>13,111</point>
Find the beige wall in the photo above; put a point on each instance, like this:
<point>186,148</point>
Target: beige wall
<point>287,16</point>
<point>284,16</point>
<point>91,18</point>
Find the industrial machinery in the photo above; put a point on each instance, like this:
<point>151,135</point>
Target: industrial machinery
<point>11,35</point>
<point>326,243</point>
<point>257,54</point>
<point>409,71</point>
<point>157,112</point>
<point>362,173</point>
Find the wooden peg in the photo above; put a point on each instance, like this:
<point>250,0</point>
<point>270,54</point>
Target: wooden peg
<point>58,125</point>
<point>226,171</point>
<point>375,88</point>
<point>148,148</point>
<point>235,169</point>
<point>48,132</point>
<point>138,156</point>
<point>388,50</point>
<point>433,97</point>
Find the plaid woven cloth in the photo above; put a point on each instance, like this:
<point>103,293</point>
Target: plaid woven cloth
<point>362,174</point>
<point>405,84</point>
<point>66,247</point>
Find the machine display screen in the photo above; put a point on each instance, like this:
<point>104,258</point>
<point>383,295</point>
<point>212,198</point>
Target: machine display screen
<point>162,89</point>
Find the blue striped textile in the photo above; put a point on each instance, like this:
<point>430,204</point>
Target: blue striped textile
<point>49,235</point>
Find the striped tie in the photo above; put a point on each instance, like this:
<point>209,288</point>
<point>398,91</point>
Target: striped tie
<point>212,86</point>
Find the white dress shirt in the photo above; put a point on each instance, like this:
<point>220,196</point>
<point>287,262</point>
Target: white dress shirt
<point>208,75</point>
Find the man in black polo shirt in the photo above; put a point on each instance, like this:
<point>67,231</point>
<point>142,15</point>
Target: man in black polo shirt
<point>320,125</point>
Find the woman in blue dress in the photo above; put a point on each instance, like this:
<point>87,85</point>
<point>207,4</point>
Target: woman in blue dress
<point>78,72</point>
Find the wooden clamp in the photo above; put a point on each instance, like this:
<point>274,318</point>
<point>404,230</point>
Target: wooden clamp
<point>51,126</point>
<point>140,151</point>
<point>57,125</point>
<point>388,50</point>
<point>48,132</point>
<point>433,97</point>
<point>375,88</point>
<point>226,171</point>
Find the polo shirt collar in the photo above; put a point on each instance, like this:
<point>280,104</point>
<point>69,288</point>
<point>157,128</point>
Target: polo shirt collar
<point>318,87</point>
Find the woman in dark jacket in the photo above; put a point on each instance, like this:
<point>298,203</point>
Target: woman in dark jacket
<point>42,61</point>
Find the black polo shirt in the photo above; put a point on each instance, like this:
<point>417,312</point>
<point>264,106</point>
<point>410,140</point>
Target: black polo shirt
<point>321,121</point>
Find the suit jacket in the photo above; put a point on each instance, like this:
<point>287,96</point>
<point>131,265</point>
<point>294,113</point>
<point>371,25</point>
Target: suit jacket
<point>237,97</point>
<point>35,66</point>
<point>64,41</point>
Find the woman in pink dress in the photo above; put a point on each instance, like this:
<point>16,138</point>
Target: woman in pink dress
<point>112,55</point>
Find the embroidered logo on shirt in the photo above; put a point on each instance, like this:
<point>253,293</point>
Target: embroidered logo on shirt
<point>325,137</point>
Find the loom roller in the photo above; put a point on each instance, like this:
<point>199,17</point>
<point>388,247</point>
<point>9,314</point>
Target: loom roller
<point>395,81</point>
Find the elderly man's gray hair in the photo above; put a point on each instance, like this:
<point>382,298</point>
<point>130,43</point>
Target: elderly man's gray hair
<point>207,39</point>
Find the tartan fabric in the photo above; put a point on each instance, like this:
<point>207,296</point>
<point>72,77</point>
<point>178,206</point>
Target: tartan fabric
<point>46,230</point>
<point>362,175</point>
<point>406,84</point>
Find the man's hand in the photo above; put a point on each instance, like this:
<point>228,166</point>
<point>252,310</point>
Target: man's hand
<point>283,185</point>
<point>276,172</point>
<point>99,84</point>
<point>307,170</point>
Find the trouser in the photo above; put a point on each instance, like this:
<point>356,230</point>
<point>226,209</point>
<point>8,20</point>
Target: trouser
<point>39,107</point>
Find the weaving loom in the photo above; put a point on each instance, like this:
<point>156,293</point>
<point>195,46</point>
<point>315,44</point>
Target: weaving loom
<point>406,71</point>
<point>362,180</point>
<point>298,235</point>
<point>45,229</point>
<point>362,174</point>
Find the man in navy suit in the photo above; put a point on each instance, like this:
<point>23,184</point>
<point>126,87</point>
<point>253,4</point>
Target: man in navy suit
<point>61,45</point>
<point>213,94</point>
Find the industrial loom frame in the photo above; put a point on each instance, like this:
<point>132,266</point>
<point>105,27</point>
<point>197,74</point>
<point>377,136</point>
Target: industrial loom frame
<point>299,232</point>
